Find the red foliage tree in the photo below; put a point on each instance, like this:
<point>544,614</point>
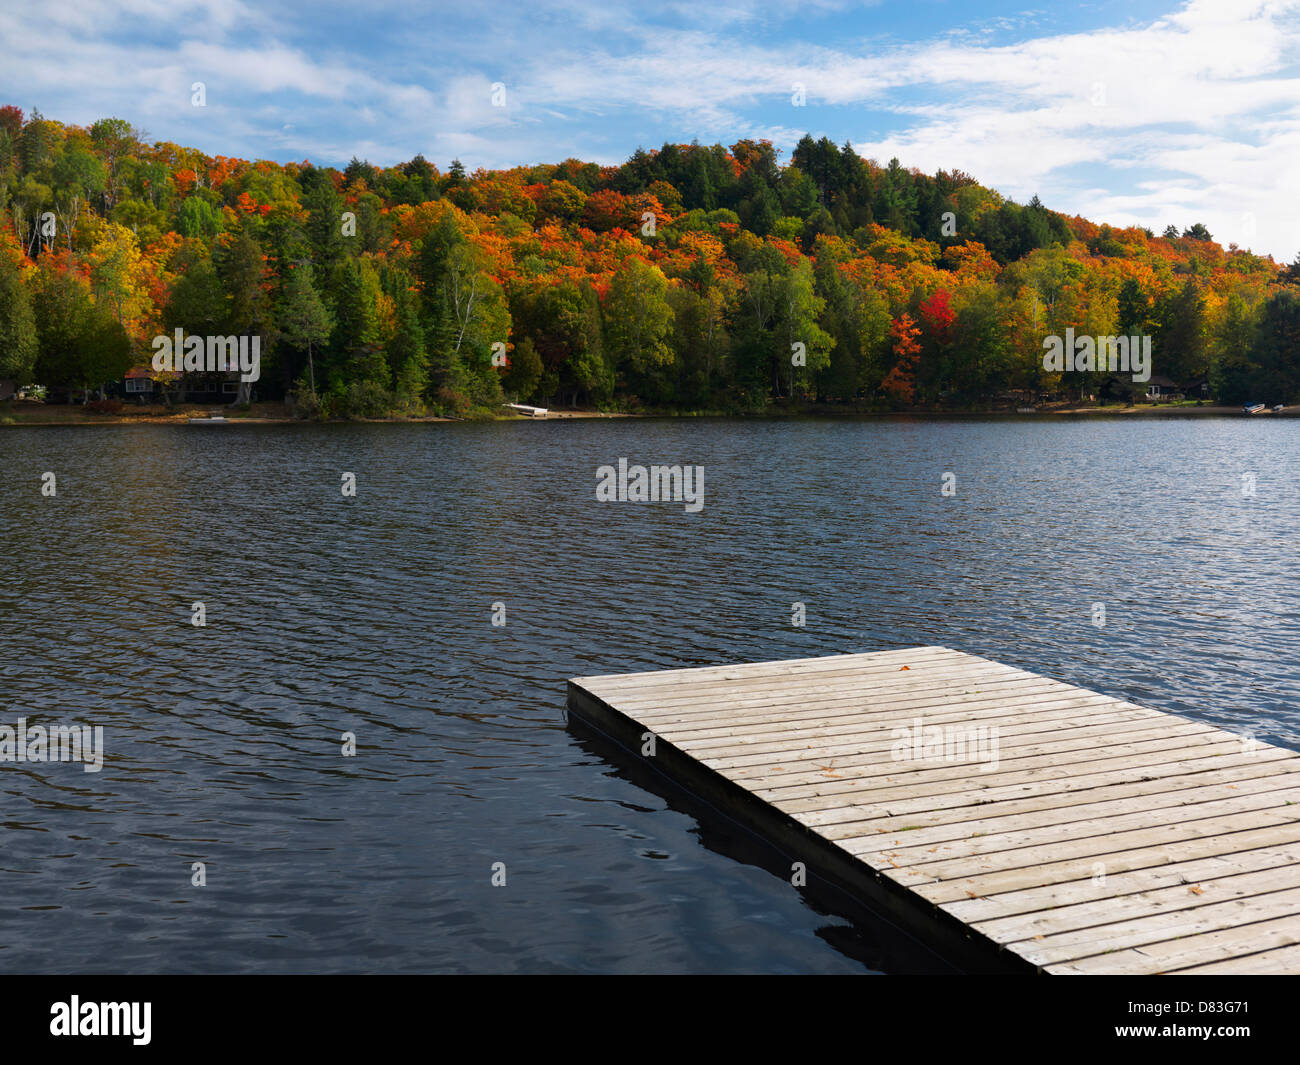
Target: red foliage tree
<point>937,315</point>
<point>606,210</point>
<point>11,119</point>
<point>900,383</point>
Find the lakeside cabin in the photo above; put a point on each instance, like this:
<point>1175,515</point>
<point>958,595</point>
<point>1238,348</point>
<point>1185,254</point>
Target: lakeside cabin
<point>139,386</point>
<point>1160,387</point>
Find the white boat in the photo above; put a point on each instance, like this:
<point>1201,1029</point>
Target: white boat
<point>216,419</point>
<point>1253,408</point>
<point>532,412</point>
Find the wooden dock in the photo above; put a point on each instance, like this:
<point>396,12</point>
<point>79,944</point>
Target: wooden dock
<point>1076,833</point>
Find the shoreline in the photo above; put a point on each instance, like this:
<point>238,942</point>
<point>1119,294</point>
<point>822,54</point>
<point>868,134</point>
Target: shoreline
<point>34,416</point>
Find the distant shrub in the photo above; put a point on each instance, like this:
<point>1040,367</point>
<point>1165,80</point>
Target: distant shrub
<point>406,405</point>
<point>366,399</point>
<point>302,402</point>
<point>452,404</point>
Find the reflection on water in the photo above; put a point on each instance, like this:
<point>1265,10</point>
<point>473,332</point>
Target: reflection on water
<point>372,615</point>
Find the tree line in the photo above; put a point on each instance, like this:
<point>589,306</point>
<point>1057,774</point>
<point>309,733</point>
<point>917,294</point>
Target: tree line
<point>687,278</point>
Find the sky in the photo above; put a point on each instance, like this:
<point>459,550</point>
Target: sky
<point>1136,112</point>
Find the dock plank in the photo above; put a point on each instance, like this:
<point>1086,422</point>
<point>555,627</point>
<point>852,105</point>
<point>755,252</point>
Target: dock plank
<point>1046,825</point>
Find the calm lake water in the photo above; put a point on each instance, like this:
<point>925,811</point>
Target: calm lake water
<point>372,615</point>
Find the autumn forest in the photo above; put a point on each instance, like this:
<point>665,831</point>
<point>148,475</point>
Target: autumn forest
<point>689,278</point>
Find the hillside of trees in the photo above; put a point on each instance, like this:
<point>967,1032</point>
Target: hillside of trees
<point>688,278</point>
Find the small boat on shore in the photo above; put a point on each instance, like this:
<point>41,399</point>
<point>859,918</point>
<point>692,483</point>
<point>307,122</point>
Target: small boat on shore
<point>216,419</point>
<point>1253,408</point>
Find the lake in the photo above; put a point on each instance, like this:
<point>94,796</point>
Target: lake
<point>373,615</point>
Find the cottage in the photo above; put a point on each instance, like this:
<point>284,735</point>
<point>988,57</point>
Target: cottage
<point>1159,388</point>
<point>209,388</point>
<point>140,386</point>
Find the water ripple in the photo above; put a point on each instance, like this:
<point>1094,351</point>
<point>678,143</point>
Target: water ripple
<point>371,615</point>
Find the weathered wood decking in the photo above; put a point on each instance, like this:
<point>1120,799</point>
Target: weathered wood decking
<point>1108,838</point>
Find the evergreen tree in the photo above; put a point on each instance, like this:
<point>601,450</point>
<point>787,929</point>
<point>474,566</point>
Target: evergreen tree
<point>304,321</point>
<point>18,337</point>
<point>524,372</point>
<point>1277,375</point>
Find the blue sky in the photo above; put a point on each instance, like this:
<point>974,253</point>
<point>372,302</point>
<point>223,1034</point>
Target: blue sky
<point>1125,112</point>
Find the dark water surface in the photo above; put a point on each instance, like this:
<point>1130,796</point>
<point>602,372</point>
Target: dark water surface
<point>373,615</point>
